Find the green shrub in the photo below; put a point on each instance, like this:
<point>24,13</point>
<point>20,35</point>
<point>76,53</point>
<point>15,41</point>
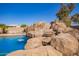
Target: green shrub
<point>68,22</point>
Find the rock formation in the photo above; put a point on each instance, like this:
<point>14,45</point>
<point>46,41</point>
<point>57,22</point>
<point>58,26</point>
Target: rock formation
<point>65,43</point>
<point>34,43</point>
<point>63,13</point>
<point>59,26</point>
<point>48,33</point>
<point>33,34</point>
<point>40,51</point>
<point>37,29</point>
<point>55,39</point>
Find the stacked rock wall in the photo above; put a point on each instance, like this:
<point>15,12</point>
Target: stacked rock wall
<point>46,40</point>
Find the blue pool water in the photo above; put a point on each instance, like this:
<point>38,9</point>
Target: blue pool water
<point>10,44</point>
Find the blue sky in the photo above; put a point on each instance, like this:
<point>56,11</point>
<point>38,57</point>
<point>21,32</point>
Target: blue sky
<point>29,13</point>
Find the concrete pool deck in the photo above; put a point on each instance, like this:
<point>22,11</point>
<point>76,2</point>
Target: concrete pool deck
<point>1,35</point>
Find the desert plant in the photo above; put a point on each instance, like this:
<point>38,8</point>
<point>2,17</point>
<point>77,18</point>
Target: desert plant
<point>63,13</point>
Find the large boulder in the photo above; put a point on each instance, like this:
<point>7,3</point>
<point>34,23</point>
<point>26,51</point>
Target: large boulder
<point>65,43</point>
<point>40,51</point>
<point>52,52</point>
<point>45,51</point>
<point>37,42</point>
<point>33,34</point>
<point>46,41</point>
<point>34,43</point>
<point>74,32</point>
<point>59,26</point>
<point>48,33</point>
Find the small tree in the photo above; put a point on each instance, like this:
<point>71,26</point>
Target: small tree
<point>63,13</point>
<point>3,27</point>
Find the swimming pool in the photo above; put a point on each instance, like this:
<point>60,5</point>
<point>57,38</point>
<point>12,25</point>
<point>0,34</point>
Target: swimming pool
<point>12,43</point>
